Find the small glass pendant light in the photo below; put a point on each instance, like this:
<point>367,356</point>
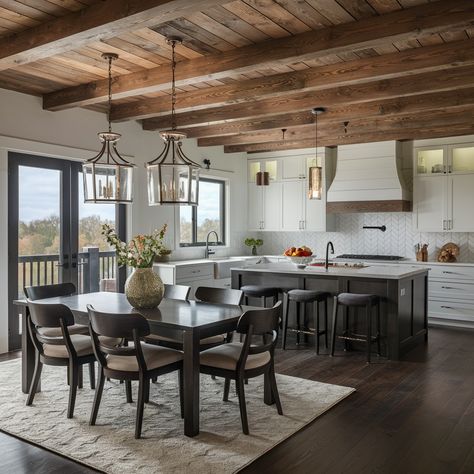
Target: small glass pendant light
<point>172,177</point>
<point>107,176</point>
<point>315,180</point>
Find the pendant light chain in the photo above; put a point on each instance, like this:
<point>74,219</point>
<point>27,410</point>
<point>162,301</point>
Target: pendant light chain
<point>173,85</point>
<point>110,58</point>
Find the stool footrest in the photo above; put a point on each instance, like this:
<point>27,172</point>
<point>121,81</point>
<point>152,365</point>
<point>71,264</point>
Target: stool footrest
<point>357,337</point>
<point>309,331</point>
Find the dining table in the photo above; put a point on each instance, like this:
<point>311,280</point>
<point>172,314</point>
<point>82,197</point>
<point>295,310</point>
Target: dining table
<point>184,321</point>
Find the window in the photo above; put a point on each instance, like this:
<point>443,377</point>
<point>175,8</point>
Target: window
<point>197,221</point>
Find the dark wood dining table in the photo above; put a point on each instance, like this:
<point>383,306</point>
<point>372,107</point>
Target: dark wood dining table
<point>186,321</point>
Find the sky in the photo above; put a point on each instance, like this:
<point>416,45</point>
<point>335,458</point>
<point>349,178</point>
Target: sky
<point>39,196</point>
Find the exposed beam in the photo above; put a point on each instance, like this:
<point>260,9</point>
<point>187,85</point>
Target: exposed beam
<point>94,23</point>
<point>410,61</point>
<point>341,139</point>
<point>450,100</point>
<point>379,90</point>
<point>435,118</point>
<point>370,32</point>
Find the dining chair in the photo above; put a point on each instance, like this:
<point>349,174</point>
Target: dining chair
<point>48,325</point>
<point>177,292</point>
<point>51,291</point>
<point>248,359</point>
<point>138,361</point>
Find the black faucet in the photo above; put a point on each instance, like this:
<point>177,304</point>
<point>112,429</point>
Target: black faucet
<point>326,263</point>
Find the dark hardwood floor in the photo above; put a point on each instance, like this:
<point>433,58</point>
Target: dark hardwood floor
<point>414,416</point>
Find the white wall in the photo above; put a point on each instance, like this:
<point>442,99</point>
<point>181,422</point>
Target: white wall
<point>72,134</point>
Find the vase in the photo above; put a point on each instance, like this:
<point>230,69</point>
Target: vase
<point>144,289</point>
<point>254,250</point>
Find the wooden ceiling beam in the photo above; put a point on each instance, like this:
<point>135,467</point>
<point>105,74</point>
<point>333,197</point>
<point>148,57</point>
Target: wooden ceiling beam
<point>452,79</point>
<point>342,139</point>
<point>450,100</point>
<point>408,62</point>
<point>94,23</point>
<point>435,118</point>
<point>403,24</point>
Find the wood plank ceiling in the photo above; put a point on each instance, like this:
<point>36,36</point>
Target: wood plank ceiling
<point>392,69</point>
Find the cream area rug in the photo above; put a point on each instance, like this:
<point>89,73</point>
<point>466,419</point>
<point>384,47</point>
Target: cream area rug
<point>221,447</point>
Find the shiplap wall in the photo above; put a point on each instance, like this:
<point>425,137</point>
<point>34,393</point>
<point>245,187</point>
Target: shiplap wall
<point>350,237</point>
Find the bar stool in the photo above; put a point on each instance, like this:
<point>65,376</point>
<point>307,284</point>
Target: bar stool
<point>353,300</point>
<point>302,297</point>
<point>263,292</point>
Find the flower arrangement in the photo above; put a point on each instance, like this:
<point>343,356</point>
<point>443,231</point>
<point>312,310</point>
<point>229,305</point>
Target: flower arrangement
<point>140,252</point>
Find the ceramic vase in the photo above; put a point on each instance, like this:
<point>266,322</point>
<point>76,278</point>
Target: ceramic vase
<point>144,289</point>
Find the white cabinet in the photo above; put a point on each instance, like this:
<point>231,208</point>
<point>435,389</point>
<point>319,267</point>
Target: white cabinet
<point>293,205</point>
<point>294,167</point>
<point>271,166</point>
<point>444,203</point>
<point>264,206</point>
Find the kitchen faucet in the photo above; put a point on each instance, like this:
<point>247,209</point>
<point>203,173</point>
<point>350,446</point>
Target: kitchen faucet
<point>329,245</point>
<point>207,251</point>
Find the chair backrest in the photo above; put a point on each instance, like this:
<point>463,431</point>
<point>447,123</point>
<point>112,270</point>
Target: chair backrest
<point>259,322</point>
<point>43,315</point>
<point>177,292</point>
<point>49,291</point>
<point>219,295</point>
<point>131,326</point>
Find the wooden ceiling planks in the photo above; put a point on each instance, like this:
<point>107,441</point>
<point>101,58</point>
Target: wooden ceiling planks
<point>217,29</point>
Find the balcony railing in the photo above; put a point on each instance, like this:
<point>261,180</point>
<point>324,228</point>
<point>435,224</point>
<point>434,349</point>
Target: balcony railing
<point>93,268</point>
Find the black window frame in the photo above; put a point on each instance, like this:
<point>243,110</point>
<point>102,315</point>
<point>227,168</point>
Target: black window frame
<point>194,214</point>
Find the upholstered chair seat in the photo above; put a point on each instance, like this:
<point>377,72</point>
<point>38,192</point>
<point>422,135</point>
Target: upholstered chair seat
<point>227,356</point>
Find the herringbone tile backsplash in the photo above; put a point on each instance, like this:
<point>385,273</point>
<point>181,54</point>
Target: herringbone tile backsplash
<point>350,237</point>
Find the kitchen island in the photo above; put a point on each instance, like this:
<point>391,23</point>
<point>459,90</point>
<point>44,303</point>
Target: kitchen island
<point>403,291</point>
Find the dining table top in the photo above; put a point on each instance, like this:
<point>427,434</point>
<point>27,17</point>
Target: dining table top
<point>178,313</point>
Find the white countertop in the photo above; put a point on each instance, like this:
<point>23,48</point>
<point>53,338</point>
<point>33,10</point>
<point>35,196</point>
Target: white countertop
<point>384,272</point>
<point>201,261</point>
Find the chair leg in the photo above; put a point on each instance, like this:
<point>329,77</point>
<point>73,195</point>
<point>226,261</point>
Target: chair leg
<point>316,327</point>
<point>140,406</point>
<point>226,390</point>
<point>213,377</point>
<point>246,300</point>
<point>35,380</point>
<point>378,329</point>
<point>368,310</point>
<point>334,326</point>
<point>181,392</point>
<point>264,303</point>
<point>73,384</point>
<point>92,375</point>
<point>285,321</point>
<point>128,391</point>
<point>147,390</point>
<point>274,389</point>
<point>326,328</point>
<point>346,327</point>
<point>97,397</point>
<point>297,322</point>
<point>154,380</point>
<point>80,379</point>
<point>239,383</point>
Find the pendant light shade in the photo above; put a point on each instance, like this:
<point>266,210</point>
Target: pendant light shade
<point>262,178</point>
<point>172,177</point>
<point>108,178</point>
<point>315,181</point>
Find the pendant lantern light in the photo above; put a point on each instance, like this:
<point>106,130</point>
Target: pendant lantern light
<point>172,177</point>
<point>108,178</point>
<point>315,180</point>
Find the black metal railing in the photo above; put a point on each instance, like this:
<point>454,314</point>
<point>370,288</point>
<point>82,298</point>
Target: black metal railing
<point>93,267</point>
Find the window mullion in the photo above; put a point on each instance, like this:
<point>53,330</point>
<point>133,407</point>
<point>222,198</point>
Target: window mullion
<point>194,224</point>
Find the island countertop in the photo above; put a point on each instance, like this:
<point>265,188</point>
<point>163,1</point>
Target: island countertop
<point>384,272</point>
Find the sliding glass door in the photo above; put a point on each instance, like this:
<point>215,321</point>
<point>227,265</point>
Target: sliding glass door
<point>53,236</point>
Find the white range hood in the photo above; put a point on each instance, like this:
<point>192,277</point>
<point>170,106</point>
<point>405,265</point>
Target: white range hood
<point>369,179</point>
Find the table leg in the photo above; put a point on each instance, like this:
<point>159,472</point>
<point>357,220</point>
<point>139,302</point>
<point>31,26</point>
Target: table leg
<point>28,354</point>
<point>191,382</point>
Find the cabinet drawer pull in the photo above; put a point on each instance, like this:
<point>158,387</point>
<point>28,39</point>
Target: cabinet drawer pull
<point>195,271</point>
<point>446,271</point>
<point>448,287</point>
<point>447,307</point>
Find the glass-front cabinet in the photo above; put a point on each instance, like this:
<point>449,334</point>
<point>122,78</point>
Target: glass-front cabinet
<point>272,167</point>
<point>447,159</point>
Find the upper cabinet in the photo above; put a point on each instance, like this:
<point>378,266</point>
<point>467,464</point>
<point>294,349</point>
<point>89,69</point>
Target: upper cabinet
<point>284,205</point>
<point>444,188</point>
<point>446,159</point>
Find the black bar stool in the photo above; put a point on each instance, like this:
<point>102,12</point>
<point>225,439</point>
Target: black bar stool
<point>303,297</point>
<point>353,300</point>
<point>263,292</point>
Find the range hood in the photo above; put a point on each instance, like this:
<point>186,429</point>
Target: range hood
<point>369,178</point>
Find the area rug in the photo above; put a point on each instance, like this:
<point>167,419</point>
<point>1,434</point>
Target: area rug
<point>110,445</point>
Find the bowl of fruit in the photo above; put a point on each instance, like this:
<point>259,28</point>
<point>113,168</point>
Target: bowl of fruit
<point>300,256</point>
